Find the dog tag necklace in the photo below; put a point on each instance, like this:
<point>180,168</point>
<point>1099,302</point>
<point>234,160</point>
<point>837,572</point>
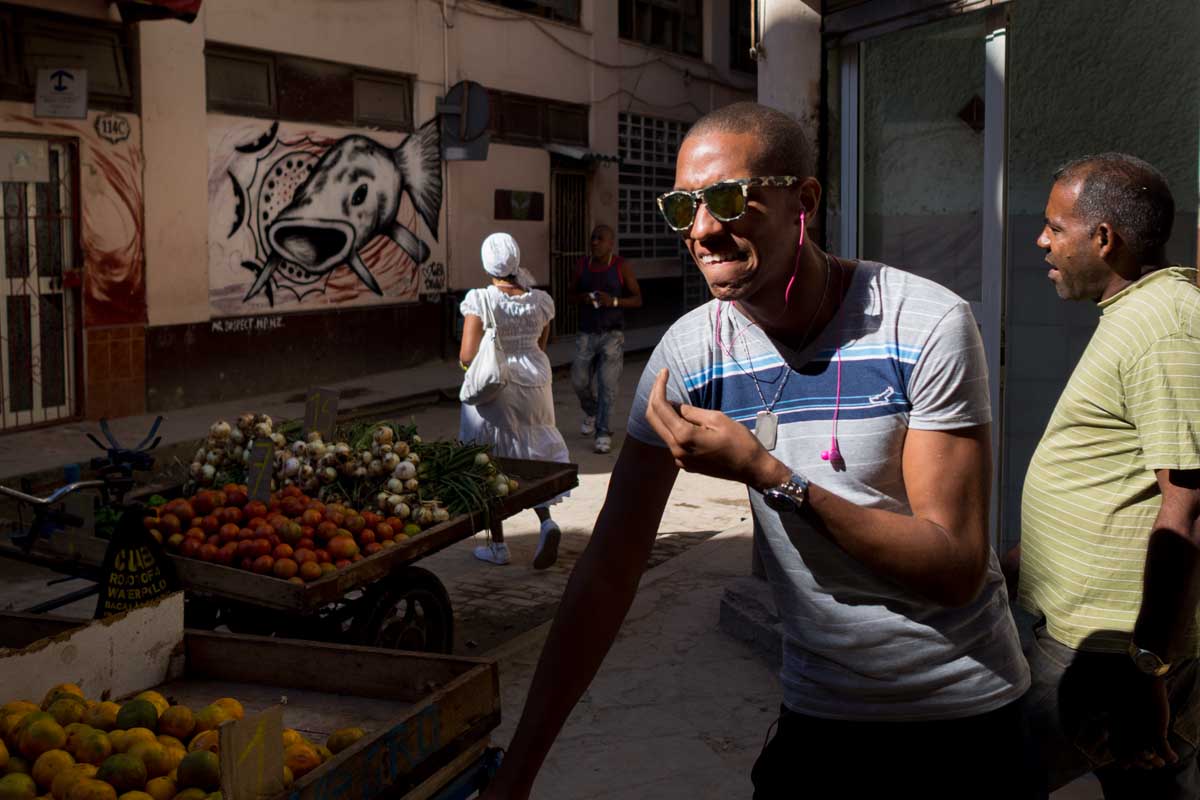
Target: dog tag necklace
<point>766,422</point>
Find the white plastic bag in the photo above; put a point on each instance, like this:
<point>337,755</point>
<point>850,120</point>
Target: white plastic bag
<point>488,373</point>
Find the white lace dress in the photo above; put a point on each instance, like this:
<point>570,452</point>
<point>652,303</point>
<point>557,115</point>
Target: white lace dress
<point>519,423</point>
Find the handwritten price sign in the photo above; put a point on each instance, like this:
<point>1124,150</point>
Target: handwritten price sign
<point>251,756</point>
<point>320,411</point>
<point>261,467</point>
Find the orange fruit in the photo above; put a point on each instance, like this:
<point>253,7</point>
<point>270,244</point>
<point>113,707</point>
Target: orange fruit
<point>64,780</point>
<point>49,764</point>
<point>18,707</point>
<point>156,699</point>
<point>92,747</point>
<point>3,755</point>
<point>103,716</point>
<point>61,689</point>
<point>301,759</point>
<point>232,706</point>
<point>123,771</point>
<point>17,764</point>
<point>67,709</point>
<point>132,737</point>
<point>177,721</point>
<point>42,736</point>
<point>137,714</point>
<point>199,769</point>
<point>136,796</point>
<point>161,788</point>
<point>91,789</point>
<point>154,756</point>
<point>210,718</point>
<point>208,740</point>
<point>17,787</point>
<point>340,740</point>
<point>291,737</point>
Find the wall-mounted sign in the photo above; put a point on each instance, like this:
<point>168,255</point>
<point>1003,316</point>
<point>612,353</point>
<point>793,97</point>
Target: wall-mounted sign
<point>62,93</point>
<point>511,204</point>
<point>24,161</point>
<point>113,127</point>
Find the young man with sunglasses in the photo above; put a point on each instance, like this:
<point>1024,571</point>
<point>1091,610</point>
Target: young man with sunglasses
<point>851,399</point>
<point>604,284</point>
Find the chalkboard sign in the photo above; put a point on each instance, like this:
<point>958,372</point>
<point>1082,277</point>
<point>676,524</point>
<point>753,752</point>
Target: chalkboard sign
<point>260,469</point>
<point>320,411</point>
<point>135,569</point>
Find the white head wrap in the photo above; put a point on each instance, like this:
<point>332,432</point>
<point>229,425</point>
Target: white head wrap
<point>502,259</point>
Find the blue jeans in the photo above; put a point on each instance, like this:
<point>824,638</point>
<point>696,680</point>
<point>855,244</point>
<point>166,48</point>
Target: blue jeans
<point>596,372</point>
<point>1067,709</point>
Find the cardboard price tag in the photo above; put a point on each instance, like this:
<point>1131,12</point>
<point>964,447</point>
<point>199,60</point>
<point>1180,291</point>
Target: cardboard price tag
<point>320,411</point>
<point>251,755</point>
<point>135,569</point>
<point>260,470</point>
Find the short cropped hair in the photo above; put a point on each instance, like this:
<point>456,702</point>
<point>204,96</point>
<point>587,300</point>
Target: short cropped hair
<point>784,147</point>
<point>1127,193</point>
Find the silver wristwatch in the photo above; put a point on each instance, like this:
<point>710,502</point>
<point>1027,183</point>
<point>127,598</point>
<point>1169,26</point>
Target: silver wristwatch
<point>788,497</point>
<point>1148,662</point>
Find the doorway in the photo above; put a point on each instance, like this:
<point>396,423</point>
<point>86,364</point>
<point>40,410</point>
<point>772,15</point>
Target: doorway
<point>568,243</point>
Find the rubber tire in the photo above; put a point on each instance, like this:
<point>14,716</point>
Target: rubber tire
<point>411,611</point>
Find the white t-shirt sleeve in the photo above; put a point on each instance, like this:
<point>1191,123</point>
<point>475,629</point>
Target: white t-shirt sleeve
<point>949,386</point>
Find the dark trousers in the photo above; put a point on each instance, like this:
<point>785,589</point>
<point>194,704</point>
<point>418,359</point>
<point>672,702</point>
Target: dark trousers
<point>984,757</point>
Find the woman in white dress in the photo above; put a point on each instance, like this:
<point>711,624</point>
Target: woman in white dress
<point>519,422</point>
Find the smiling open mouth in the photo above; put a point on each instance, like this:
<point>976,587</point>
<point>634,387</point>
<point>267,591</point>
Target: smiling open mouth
<point>316,245</point>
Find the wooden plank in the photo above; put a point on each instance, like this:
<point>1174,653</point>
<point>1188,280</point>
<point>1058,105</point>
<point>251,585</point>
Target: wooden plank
<point>111,657</point>
<point>294,664</point>
<point>19,630</point>
<point>461,709</point>
<point>449,772</point>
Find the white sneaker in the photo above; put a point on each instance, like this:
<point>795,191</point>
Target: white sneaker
<point>493,553</point>
<point>603,444</point>
<point>588,428</point>
<point>547,549</point>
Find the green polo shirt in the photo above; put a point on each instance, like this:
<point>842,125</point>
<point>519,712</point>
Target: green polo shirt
<point>1132,406</point>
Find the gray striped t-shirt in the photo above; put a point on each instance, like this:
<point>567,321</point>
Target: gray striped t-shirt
<point>856,645</point>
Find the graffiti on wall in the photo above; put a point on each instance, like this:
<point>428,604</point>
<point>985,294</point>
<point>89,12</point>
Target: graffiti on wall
<point>303,219</point>
<point>111,236</point>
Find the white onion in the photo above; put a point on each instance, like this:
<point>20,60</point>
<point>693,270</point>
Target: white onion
<point>384,435</point>
<point>313,437</point>
<point>381,500</point>
<point>200,454</point>
<point>220,430</point>
<point>207,473</point>
<point>236,436</point>
<point>375,468</point>
<point>329,475</point>
<point>401,510</point>
<point>500,487</point>
<point>213,457</point>
<point>395,485</point>
<point>481,459</point>
<point>405,470</point>
<point>262,430</point>
<point>390,461</point>
<point>291,467</point>
<point>440,514</point>
<point>412,484</point>
<point>400,449</point>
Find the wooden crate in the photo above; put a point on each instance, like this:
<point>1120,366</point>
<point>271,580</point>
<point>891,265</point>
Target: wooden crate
<point>81,554</point>
<point>422,713</point>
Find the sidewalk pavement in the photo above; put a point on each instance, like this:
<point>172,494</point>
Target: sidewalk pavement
<point>48,449</point>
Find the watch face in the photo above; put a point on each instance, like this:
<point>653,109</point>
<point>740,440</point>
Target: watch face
<point>1148,663</point>
<point>778,501</point>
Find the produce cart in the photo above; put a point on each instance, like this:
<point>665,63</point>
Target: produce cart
<point>421,721</point>
<point>384,600</point>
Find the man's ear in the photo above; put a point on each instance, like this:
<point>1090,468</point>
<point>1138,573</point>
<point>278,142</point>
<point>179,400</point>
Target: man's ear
<point>1106,240</point>
<point>810,196</point>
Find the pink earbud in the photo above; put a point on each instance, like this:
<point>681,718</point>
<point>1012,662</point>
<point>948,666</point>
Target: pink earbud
<point>832,454</point>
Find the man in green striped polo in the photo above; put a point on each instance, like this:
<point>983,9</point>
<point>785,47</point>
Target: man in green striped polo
<point>1109,534</point>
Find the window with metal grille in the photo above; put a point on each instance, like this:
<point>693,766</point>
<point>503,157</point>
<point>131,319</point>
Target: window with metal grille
<point>647,147</point>
<point>522,119</point>
<point>31,40</point>
<point>557,10</point>
<point>257,83</point>
<point>675,25</point>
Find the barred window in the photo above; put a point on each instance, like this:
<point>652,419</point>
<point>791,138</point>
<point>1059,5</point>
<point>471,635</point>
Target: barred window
<point>647,147</point>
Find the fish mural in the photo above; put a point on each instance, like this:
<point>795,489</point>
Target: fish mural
<point>313,208</point>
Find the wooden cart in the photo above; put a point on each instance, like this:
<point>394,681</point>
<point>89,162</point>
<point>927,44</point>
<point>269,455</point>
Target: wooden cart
<point>427,717</point>
<point>381,601</point>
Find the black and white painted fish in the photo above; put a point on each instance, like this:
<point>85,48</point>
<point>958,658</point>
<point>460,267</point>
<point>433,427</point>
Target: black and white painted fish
<point>351,196</point>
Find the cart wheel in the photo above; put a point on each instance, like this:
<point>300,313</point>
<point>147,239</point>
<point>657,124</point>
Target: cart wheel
<point>411,612</point>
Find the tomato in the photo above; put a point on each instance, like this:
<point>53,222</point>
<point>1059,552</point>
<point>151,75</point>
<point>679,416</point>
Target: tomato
<point>342,564</point>
<point>306,543</point>
<point>236,498</point>
<point>366,536</point>
<point>285,568</point>
<point>262,547</point>
<point>210,523</point>
<point>214,540</point>
<point>169,523</point>
<point>247,534</point>
<point>384,531</point>
<point>255,508</point>
<point>323,556</point>
<point>228,532</point>
<point>247,549</point>
<point>310,571</point>
<point>263,564</point>
<point>190,547</point>
<point>343,547</point>
<point>246,563</point>
<point>283,551</point>
<point>175,542</point>
<point>227,553</point>
<point>336,517</point>
<point>326,530</point>
<point>182,509</point>
<point>208,552</point>
<point>203,503</point>
<point>372,548</point>
<point>396,523</point>
<point>303,555</point>
<point>231,514</point>
<point>355,523</point>
<point>193,533</point>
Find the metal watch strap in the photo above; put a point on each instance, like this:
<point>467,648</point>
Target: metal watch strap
<point>788,496</point>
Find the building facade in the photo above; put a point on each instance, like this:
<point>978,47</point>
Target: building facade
<point>940,126</point>
<point>273,195</point>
